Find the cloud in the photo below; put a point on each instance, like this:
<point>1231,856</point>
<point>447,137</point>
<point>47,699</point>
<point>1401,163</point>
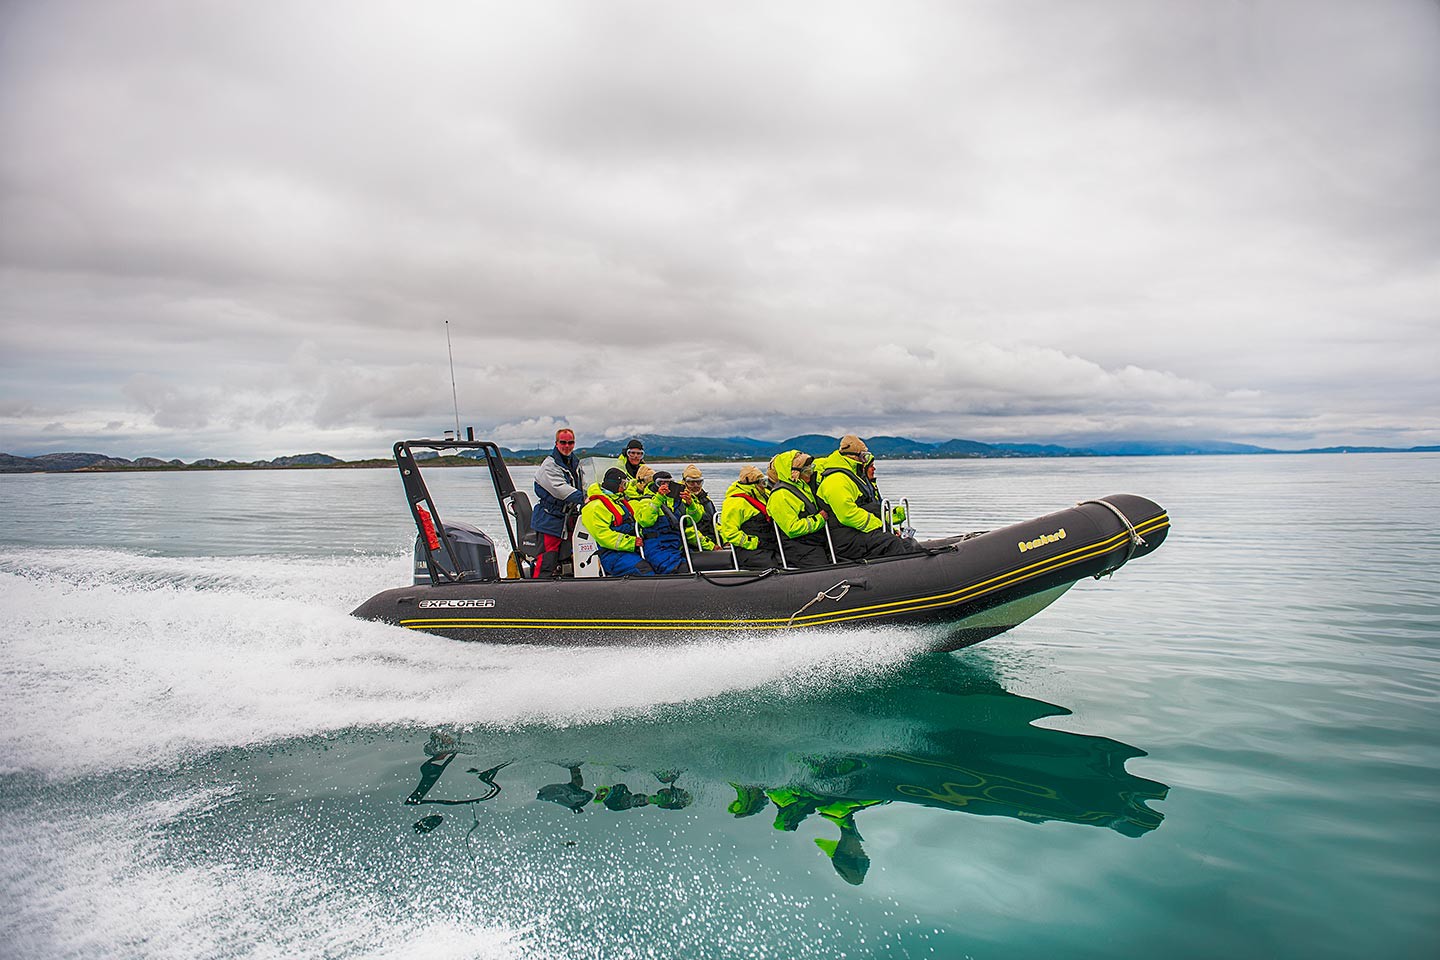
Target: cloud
<point>168,406</point>
<point>1011,221</point>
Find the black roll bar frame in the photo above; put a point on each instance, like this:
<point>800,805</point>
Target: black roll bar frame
<point>417,495</point>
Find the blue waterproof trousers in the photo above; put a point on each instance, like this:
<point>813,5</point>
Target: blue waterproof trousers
<point>665,552</point>
<point>621,563</point>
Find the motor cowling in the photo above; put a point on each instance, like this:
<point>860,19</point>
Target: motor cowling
<point>473,548</point>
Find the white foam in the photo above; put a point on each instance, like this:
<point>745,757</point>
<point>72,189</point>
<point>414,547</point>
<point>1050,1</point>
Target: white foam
<point>341,581</point>
<point>117,660</point>
<point>98,884</point>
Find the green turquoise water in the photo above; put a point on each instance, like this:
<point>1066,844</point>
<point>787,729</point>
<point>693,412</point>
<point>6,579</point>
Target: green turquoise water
<point>1227,749</point>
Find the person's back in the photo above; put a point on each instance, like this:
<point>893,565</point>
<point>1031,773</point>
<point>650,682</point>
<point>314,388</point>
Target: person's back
<point>745,522</point>
<point>854,505</point>
<point>849,498</point>
<point>796,511</point>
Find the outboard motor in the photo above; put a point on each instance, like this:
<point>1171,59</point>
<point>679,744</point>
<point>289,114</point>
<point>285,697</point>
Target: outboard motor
<point>473,547</point>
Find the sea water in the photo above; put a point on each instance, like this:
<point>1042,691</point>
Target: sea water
<point>1227,749</point>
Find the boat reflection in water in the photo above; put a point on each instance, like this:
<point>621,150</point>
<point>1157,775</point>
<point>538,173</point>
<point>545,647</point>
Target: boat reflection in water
<point>942,735</point>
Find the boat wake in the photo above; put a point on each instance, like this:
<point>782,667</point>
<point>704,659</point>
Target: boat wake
<point>118,660</point>
<point>111,868</point>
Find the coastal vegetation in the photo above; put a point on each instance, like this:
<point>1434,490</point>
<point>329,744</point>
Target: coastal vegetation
<point>700,449</point>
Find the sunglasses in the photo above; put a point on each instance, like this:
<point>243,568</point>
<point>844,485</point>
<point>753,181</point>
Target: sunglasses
<point>565,443</point>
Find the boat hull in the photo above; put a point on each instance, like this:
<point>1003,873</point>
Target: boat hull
<point>975,587</point>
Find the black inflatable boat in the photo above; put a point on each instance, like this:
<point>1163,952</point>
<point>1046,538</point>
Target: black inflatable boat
<point>966,588</point>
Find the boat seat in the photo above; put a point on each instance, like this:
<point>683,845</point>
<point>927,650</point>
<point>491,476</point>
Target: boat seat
<point>712,560</point>
<point>527,535</point>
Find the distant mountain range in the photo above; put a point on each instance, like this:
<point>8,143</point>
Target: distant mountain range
<point>667,448</point>
<point>101,462</point>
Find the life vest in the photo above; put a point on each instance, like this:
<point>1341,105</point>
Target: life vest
<point>667,524</point>
<point>707,507</point>
<point>808,504</point>
<point>869,499</point>
<point>624,521</point>
<point>757,504</point>
<point>758,526</point>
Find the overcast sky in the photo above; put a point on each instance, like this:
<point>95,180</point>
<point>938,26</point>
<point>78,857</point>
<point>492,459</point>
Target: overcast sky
<point>237,228</point>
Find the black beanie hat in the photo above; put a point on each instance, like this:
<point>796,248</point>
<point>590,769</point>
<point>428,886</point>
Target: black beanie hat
<point>614,479</point>
<point>634,444</point>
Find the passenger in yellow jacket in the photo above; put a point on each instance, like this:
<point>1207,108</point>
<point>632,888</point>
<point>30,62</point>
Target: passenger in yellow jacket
<point>632,458</point>
<point>660,516</point>
<point>680,498</point>
<point>853,502</point>
<point>796,511</point>
<point>745,522</point>
<point>612,520</point>
<point>643,485</point>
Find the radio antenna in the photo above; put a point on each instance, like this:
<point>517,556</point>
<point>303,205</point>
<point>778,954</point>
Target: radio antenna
<point>453,395</point>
